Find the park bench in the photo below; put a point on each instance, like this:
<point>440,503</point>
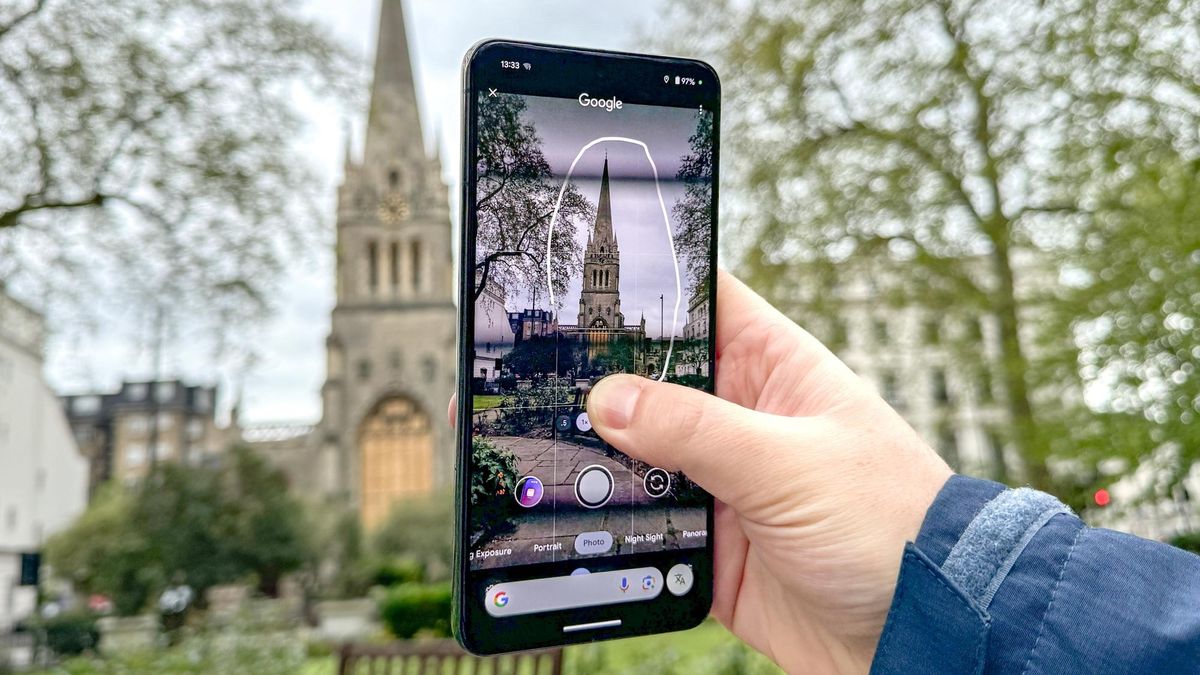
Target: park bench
<point>441,657</point>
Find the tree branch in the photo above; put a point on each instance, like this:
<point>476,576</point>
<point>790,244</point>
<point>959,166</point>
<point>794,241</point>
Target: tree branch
<point>12,216</point>
<point>931,160</point>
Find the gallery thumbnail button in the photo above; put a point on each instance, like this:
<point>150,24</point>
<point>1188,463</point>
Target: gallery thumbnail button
<point>590,543</point>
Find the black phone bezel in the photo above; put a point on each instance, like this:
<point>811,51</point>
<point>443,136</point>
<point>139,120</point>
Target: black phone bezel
<point>565,72</point>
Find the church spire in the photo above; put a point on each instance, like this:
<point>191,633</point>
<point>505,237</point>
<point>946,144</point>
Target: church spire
<point>602,232</point>
<point>393,123</point>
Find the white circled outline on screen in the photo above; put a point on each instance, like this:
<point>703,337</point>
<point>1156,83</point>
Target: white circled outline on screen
<point>666,222</point>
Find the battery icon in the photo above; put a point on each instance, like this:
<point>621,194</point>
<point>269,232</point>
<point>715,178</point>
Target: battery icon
<point>676,79</point>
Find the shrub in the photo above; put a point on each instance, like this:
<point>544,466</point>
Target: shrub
<point>417,531</point>
<point>492,470</point>
<point>1188,542</point>
<point>395,571</point>
<point>411,608</point>
<point>71,634</point>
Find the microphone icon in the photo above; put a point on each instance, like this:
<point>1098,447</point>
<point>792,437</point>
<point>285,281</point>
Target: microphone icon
<point>624,584</point>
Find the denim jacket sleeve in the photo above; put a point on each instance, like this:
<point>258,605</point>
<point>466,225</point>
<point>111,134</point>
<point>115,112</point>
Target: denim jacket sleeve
<point>1010,581</point>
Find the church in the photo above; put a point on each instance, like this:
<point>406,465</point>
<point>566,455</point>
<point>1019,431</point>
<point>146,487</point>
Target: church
<point>600,324</point>
<point>390,353</point>
<point>600,321</point>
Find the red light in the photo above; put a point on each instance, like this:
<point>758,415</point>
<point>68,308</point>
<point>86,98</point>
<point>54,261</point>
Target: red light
<point>1102,497</point>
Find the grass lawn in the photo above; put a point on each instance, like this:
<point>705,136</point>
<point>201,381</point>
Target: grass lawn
<point>705,650</point>
<point>708,648</point>
<point>485,401</point>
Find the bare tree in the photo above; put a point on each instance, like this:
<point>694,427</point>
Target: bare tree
<point>516,199</point>
<point>148,159</point>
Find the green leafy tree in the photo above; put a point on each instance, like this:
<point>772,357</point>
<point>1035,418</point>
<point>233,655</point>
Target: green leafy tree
<point>198,525</point>
<point>103,552</point>
<point>968,157</point>
<point>420,530</point>
<point>147,148</point>
<point>264,527</point>
<point>517,196</point>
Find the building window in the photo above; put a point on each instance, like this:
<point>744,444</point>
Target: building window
<point>394,264</point>
<point>879,328</point>
<point>165,421</point>
<point>394,179</point>
<point>364,369</point>
<point>995,449</point>
<point>983,386</point>
<point>86,405</point>
<point>135,392</point>
<point>948,446</point>
<point>164,391</point>
<point>202,401</point>
<point>838,334</point>
<point>135,455</point>
<point>975,329</point>
<point>373,265</point>
<point>932,331</point>
<point>889,386</point>
<point>137,424</point>
<point>941,392</point>
<point>195,429</point>
<point>415,261</point>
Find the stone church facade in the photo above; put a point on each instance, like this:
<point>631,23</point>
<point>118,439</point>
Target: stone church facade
<point>600,300</point>
<point>391,349</point>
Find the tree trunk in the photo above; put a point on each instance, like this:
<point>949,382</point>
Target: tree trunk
<point>1014,369</point>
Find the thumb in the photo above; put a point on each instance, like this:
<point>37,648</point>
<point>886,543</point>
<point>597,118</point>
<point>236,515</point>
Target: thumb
<point>723,447</point>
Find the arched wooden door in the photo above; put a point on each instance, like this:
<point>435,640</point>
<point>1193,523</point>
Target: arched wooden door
<point>396,452</point>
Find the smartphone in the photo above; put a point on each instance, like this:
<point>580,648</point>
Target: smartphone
<point>588,248</point>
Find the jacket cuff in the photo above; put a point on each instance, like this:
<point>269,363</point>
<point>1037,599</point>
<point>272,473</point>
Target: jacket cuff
<point>972,536</point>
<point>932,627</point>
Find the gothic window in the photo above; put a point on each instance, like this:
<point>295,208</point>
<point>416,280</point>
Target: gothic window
<point>394,264</point>
<point>373,265</point>
<point>608,311</point>
<point>599,322</point>
<point>364,369</point>
<point>393,179</point>
<point>415,261</point>
<point>589,311</point>
<point>606,278</point>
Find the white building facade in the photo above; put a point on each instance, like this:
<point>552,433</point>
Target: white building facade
<point>43,476</point>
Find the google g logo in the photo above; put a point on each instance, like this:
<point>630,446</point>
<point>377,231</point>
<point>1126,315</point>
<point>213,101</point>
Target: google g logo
<point>500,599</point>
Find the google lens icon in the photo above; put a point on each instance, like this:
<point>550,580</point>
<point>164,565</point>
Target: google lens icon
<point>500,599</point>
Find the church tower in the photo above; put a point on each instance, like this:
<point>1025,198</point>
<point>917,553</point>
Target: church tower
<point>391,358</point>
<point>600,301</point>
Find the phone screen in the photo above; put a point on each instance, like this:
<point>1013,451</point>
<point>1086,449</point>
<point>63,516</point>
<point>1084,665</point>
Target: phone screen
<point>590,238</point>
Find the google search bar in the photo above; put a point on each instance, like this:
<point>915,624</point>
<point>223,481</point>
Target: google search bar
<point>578,590</point>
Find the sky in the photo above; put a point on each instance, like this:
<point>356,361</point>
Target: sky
<point>648,269</point>
<point>284,387</point>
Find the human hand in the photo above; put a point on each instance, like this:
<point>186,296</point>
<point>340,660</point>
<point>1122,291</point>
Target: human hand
<point>819,483</point>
